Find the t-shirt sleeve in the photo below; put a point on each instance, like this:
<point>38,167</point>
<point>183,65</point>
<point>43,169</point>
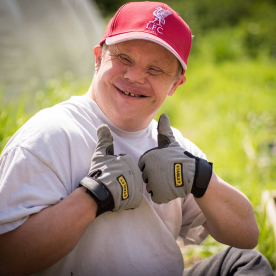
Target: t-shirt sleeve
<point>192,230</point>
<point>188,145</point>
<point>27,185</point>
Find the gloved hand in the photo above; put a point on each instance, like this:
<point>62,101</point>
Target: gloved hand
<point>114,181</point>
<point>170,171</point>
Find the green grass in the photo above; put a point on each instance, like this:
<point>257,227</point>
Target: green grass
<point>227,109</point>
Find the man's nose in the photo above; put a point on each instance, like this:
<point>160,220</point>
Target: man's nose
<point>135,74</point>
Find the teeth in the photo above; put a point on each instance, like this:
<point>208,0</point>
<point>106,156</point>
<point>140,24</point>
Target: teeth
<point>130,94</point>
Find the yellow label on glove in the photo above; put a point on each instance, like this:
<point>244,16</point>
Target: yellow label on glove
<point>178,174</point>
<point>123,183</point>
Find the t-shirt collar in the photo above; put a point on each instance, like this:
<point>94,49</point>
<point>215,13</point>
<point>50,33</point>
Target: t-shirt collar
<point>118,131</point>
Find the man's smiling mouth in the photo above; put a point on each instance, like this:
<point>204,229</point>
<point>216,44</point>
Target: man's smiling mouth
<point>130,94</point>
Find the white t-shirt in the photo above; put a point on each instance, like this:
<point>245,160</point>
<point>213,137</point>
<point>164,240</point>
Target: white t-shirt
<point>44,162</point>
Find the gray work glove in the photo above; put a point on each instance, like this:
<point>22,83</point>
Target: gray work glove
<point>114,181</point>
<point>170,171</point>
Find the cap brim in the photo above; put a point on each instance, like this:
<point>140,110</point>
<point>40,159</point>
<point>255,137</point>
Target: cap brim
<point>146,36</point>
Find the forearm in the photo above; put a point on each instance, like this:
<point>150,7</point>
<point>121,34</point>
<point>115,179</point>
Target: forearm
<point>48,236</point>
<point>229,215</point>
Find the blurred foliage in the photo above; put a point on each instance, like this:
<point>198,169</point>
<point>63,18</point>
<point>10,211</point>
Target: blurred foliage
<point>253,23</point>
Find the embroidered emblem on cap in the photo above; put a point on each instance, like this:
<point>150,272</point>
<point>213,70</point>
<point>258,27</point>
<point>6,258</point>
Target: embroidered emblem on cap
<point>159,20</point>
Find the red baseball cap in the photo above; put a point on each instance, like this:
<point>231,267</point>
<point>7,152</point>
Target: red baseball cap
<point>153,21</point>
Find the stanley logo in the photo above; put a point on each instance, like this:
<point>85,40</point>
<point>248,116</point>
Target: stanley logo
<point>178,175</point>
<point>123,183</point>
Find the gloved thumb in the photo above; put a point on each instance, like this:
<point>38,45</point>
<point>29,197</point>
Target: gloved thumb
<point>105,141</point>
<point>165,134</point>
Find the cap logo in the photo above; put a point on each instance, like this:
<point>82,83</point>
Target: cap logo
<point>159,20</point>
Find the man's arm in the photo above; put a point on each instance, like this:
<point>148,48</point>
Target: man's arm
<point>229,215</point>
<point>113,183</point>
<point>48,236</point>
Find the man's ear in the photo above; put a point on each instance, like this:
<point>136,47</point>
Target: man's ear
<point>98,57</point>
<point>181,80</point>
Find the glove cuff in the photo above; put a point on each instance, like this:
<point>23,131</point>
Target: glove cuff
<point>100,193</point>
<point>203,174</point>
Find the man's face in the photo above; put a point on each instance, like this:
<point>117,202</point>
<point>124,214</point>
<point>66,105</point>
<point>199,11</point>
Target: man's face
<point>132,80</point>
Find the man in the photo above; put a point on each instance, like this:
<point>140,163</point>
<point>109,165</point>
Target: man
<point>65,214</point>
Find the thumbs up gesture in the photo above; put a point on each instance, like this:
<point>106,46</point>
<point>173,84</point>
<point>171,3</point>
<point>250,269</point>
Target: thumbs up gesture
<point>113,181</point>
<point>170,171</point>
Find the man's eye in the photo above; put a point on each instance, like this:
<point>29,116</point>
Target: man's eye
<point>125,59</point>
<point>154,71</point>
